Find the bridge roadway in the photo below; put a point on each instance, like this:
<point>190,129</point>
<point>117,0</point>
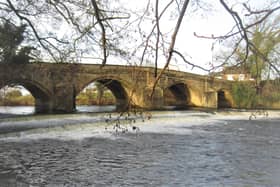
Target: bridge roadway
<point>55,86</point>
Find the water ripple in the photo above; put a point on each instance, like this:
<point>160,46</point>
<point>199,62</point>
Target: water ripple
<point>166,153</point>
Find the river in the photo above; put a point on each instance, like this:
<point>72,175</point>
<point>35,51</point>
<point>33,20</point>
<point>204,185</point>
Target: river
<point>173,148</point>
<point>28,110</point>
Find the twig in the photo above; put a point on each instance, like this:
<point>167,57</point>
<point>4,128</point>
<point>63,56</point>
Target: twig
<point>172,44</point>
<point>103,38</point>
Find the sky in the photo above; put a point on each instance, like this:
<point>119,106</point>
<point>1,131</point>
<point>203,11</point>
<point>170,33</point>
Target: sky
<point>199,51</point>
<point>213,21</point>
<point>217,22</point>
<point>196,50</point>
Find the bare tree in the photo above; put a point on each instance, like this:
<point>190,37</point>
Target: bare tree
<point>240,34</point>
<point>65,30</point>
<point>69,29</point>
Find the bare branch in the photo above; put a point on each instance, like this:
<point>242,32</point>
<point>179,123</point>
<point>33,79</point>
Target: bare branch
<point>234,50</point>
<point>259,53</point>
<point>240,26</point>
<point>103,38</point>
<point>157,38</point>
<point>152,31</point>
<point>60,12</point>
<point>188,62</point>
<point>267,11</point>
<point>32,28</point>
<point>172,44</point>
<point>231,34</point>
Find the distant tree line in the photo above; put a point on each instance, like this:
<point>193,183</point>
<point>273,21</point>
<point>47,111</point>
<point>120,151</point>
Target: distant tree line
<point>95,97</point>
<point>266,96</point>
<point>15,98</point>
<point>88,97</point>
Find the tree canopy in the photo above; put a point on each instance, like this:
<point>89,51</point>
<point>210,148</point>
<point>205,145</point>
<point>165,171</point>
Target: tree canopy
<point>262,60</point>
<point>11,36</point>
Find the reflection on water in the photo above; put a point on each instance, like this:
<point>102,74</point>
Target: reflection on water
<point>27,110</point>
<point>173,149</point>
<point>18,110</point>
<point>95,108</point>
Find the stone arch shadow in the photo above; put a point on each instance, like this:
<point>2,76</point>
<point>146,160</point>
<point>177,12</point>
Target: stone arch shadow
<point>42,96</point>
<point>118,88</point>
<point>223,99</point>
<point>180,93</point>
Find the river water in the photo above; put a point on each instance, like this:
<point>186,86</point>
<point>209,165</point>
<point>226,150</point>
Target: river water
<point>173,148</point>
<point>27,110</point>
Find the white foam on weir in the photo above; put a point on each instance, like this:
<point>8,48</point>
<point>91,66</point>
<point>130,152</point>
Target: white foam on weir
<point>74,128</point>
<point>79,127</point>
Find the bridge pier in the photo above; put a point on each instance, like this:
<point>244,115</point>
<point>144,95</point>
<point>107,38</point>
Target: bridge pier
<point>64,104</point>
<point>61,101</point>
<point>64,99</point>
<point>121,105</point>
<point>55,105</point>
<point>43,106</point>
<point>152,101</point>
<point>210,100</point>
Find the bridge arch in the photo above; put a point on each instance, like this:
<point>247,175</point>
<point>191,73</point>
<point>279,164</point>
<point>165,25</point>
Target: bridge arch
<point>223,99</point>
<point>119,89</point>
<point>180,93</point>
<point>41,95</point>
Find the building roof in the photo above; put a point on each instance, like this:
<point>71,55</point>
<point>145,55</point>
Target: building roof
<point>235,70</point>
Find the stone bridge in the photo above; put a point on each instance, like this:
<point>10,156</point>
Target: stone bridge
<point>55,86</point>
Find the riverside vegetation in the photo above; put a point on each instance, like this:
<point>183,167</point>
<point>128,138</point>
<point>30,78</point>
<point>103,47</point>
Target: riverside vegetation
<point>247,96</point>
<point>87,97</point>
<point>16,98</point>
